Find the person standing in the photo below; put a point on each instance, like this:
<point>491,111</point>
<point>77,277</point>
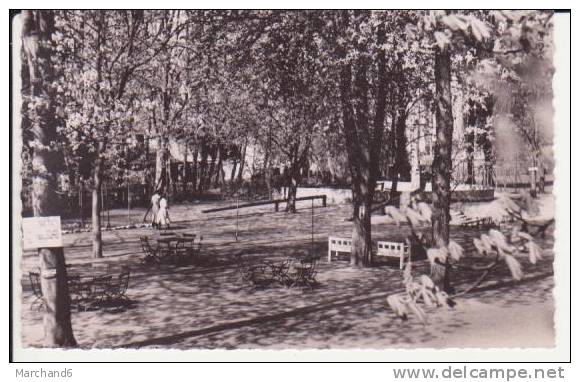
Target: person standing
<point>155,209</point>
<point>163,220</point>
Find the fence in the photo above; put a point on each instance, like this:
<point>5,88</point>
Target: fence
<point>503,176</point>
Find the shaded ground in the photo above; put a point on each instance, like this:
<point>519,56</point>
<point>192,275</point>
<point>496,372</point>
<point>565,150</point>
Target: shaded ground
<point>205,306</point>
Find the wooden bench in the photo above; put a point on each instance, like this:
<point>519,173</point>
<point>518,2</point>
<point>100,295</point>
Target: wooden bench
<point>477,223</point>
<point>391,249</point>
<point>338,245</point>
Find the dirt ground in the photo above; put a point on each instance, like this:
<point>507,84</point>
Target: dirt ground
<point>206,306</point>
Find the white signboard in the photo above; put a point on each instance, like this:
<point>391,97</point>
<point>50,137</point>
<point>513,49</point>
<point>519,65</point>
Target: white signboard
<point>41,232</point>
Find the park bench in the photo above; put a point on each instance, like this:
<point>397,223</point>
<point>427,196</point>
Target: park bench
<point>479,223</point>
<point>475,222</point>
<point>394,250</point>
<point>338,245</point>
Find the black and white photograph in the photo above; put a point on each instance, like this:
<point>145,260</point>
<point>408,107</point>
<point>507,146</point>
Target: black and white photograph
<point>274,180</point>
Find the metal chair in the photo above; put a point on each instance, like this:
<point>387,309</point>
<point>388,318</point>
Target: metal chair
<point>116,289</point>
<point>98,288</point>
<point>280,272</point>
<point>256,275</point>
<point>150,252</point>
<point>34,278</point>
<point>305,273</point>
<point>77,291</point>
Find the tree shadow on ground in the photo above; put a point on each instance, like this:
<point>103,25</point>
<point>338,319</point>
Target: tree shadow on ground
<point>203,304</point>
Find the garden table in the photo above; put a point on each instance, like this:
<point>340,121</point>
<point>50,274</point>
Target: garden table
<point>178,246</point>
<point>184,245</point>
<point>167,245</point>
<point>87,291</point>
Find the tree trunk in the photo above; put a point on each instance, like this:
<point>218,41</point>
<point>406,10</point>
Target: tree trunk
<point>202,166</point>
<point>293,187</point>
<point>38,27</point>
<point>171,179</point>
<point>442,166</point>
<point>470,149</point>
<point>362,150</point>
<point>212,166</point>
<point>402,165</point>
<point>233,172</point>
<point>242,163</point>
<point>54,284</point>
<point>267,167</point>
<point>161,165</point>
<point>218,177</point>
<point>194,171</point>
<point>361,233</point>
<point>184,172</point>
<point>486,143</point>
<point>81,206</point>
<point>96,210</point>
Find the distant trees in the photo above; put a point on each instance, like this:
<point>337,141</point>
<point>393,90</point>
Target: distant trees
<point>99,54</point>
<point>169,84</point>
<point>291,100</point>
<point>216,82</point>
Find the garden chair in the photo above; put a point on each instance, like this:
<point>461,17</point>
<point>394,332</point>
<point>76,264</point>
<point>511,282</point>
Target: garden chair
<point>151,254</point>
<point>305,272</point>
<point>98,288</point>
<point>256,275</point>
<point>78,292</point>
<point>187,248</point>
<point>242,269</point>
<point>280,272</point>
<point>195,252</point>
<point>116,289</point>
<point>34,278</point>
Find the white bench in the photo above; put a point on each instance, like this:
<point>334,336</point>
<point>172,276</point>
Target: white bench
<point>338,244</point>
<point>394,249</point>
